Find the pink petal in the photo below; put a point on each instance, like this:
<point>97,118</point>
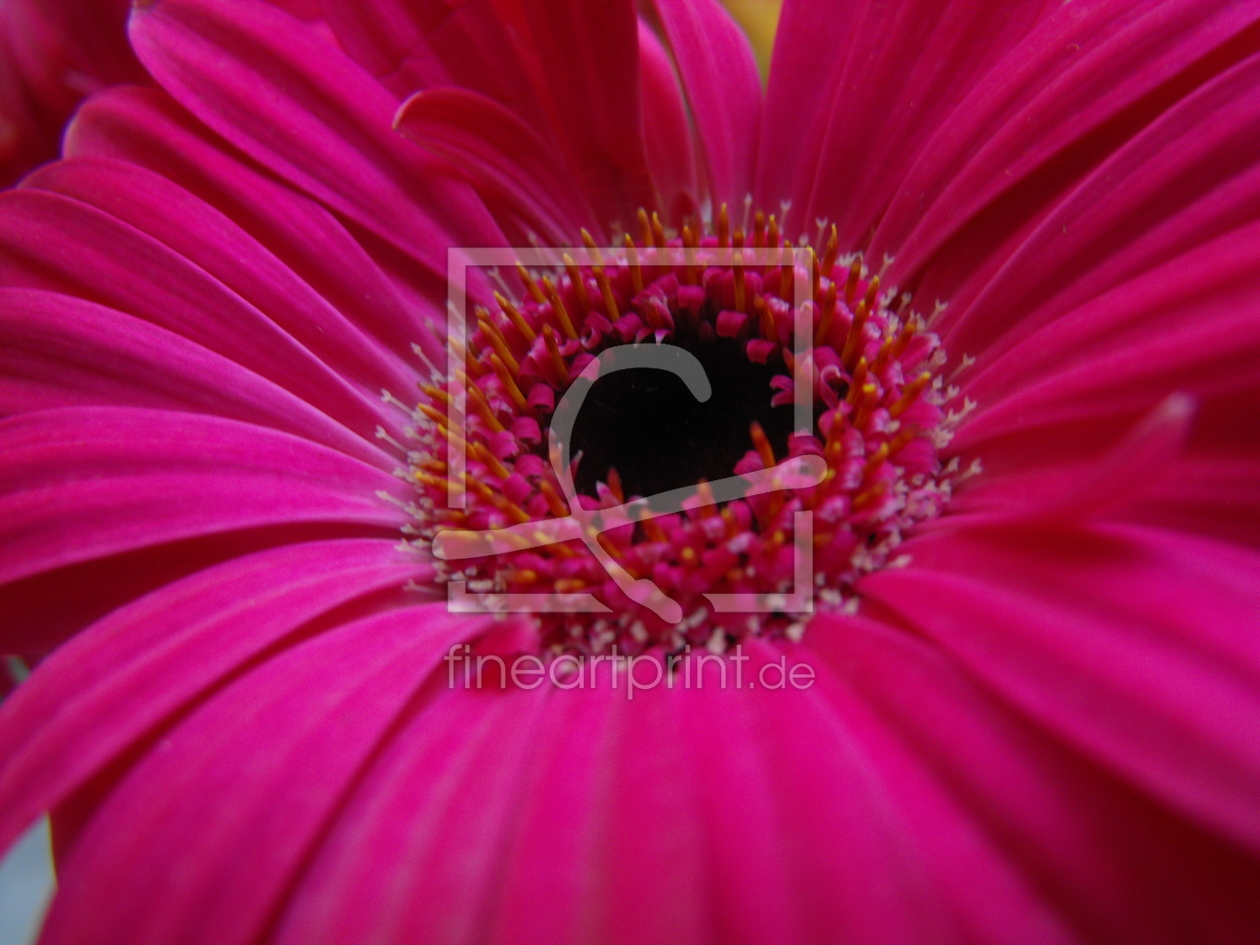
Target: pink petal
<point>1138,648</point>
<point>86,482</point>
<point>1030,841</point>
<point>59,351</point>
<point>1187,179</point>
<point>145,127</point>
<point>667,133</point>
<point>719,77</point>
<point>1057,106</point>
<point>214,243</point>
<point>453,775</point>
<point>115,683</point>
<point>411,46</point>
<point>588,60</point>
<point>54,53</point>
<point>52,242</point>
<point>287,98</point>
<point>857,89</point>
<point>1052,404</point>
<point>217,821</point>
<point>503,155</point>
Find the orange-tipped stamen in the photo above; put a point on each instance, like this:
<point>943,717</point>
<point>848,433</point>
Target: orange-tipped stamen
<point>552,497</point>
<point>761,444</point>
<point>850,285</point>
<point>855,341</point>
<point>579,286</point>
<point>828,314</point>
<point>553,349</point>
<point>531,286</point>
<point>645,229</point>
<point>558,309</point>
<point>831,253</point>
<point>614,486</point>
<point>632,261</point>
<point>605,290</point>
<point>909,394</point>
<point>516,318</point>
<point>497,341</point>
<point>589,242</point>
<point>509,384</point>
<point>658,231</point>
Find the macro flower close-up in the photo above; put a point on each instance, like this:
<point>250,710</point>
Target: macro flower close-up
<point>554,471</point>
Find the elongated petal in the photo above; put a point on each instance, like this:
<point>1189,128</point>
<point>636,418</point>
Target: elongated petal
<point>412,45</point>
<point>589,59</point>
<point>146,127</point>
<point>504,156</point>
<point>53,242</point>
<point>719,77</point>
<point>212,242</point>
<point>856,90</point>
<point>322,124</point>
<point>60,351</point>
<point>1033,841</point>
<point>1138,648</point>
<point>1188,179</point>
<point>453,774</point>
<point>244,786</point>
<point>117,682</point>
<point>86,482</point>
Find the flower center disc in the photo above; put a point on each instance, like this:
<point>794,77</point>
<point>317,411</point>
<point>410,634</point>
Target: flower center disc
<point>759,316</point>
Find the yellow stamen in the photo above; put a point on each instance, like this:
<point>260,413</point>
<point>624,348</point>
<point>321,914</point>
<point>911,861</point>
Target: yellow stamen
<point>859,378</point>
<point>516,318</point>
<point>497,341</point>
<point>558,309</point>
<point>632,261</point>
<point>605,290</point>
<point>645,229</point>
<point>553,349</point>
<point>855,341</point>
<point>530,285</point>
<point>691,274</point>
<point>589,242</point>
<point>909,393</point>
<point>833,251</point>
<point>435,393</point>
<point>828,313</point>
<point>509,384</point>
<point>482,452</point>
<point>479,402</point>
<point>761,444</point>
<point>658,231</point>
<point>579,286</point>
<point>554,502</point>
<point>850,285</point>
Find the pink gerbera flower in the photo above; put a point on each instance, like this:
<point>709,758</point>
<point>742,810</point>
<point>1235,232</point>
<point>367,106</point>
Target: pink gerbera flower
<point>1026,707</point>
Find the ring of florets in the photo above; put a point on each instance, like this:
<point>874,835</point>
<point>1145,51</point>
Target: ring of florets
<point>876,416</point>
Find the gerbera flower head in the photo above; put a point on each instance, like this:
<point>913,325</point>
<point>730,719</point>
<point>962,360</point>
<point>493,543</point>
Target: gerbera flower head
<point>1017,703</point>
<point>729,300</point>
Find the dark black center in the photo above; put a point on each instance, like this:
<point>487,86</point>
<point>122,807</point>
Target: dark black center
<point>646,424</point>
